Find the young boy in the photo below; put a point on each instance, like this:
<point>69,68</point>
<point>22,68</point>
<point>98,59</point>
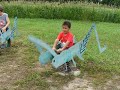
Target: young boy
<point>64,40</point>
<point>4,21</point>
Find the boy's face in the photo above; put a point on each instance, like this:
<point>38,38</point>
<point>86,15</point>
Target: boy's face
<point>1,13</point>
<point>65,28</point>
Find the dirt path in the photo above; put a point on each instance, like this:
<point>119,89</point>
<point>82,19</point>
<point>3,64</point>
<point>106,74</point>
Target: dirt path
<point>10,67</point>
<point>86,84</point>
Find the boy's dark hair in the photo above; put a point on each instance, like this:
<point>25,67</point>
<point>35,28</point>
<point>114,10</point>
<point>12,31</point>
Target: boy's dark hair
<point>67,23</point>
<point>1,8</point>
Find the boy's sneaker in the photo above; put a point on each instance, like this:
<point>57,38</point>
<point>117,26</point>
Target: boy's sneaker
<point>75,71</point>
<point>64,70</point>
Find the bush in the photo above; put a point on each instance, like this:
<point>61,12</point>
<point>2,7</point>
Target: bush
<point>63,11</point>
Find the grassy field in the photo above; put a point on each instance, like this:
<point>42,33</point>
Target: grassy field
<point>20,69</point>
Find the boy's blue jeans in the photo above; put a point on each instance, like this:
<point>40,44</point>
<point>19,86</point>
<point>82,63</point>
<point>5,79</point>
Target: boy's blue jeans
<point>59,45</point>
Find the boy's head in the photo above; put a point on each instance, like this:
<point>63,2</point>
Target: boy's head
<point>66,26</point>
<point>1,10</point>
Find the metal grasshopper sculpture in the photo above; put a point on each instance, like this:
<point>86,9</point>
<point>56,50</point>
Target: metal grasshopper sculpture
<point>67,55</point>
<point>9,34</point>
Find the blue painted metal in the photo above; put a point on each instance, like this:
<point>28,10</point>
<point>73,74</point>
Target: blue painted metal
<point>45,56</point>
<point>40,45</point>
<point>4,36</point>
<point>97,39</point>
<point>14,29</point>
<point>67,55</point>
<point>9,34</point>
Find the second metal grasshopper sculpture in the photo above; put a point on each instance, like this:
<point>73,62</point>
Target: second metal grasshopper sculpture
<point>9,34</point>
<point>67,55</point>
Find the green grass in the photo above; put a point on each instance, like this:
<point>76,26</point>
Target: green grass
<point>47,30</point>
<point>99,66</point>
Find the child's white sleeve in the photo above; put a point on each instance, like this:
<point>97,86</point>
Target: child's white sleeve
<point>6,15</point>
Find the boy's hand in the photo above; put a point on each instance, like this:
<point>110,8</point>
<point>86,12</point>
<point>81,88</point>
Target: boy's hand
<point>4,29</point>
<point>54,49</point>
<point>59,50</point>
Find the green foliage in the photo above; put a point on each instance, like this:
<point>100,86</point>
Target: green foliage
<point>64,11</point>
<point>107,2</point>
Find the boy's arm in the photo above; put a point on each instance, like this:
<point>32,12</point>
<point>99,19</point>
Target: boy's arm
<point>65,46</point>
<point>55,44</point>
<point>56,41</point>
<point>8,23</point>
